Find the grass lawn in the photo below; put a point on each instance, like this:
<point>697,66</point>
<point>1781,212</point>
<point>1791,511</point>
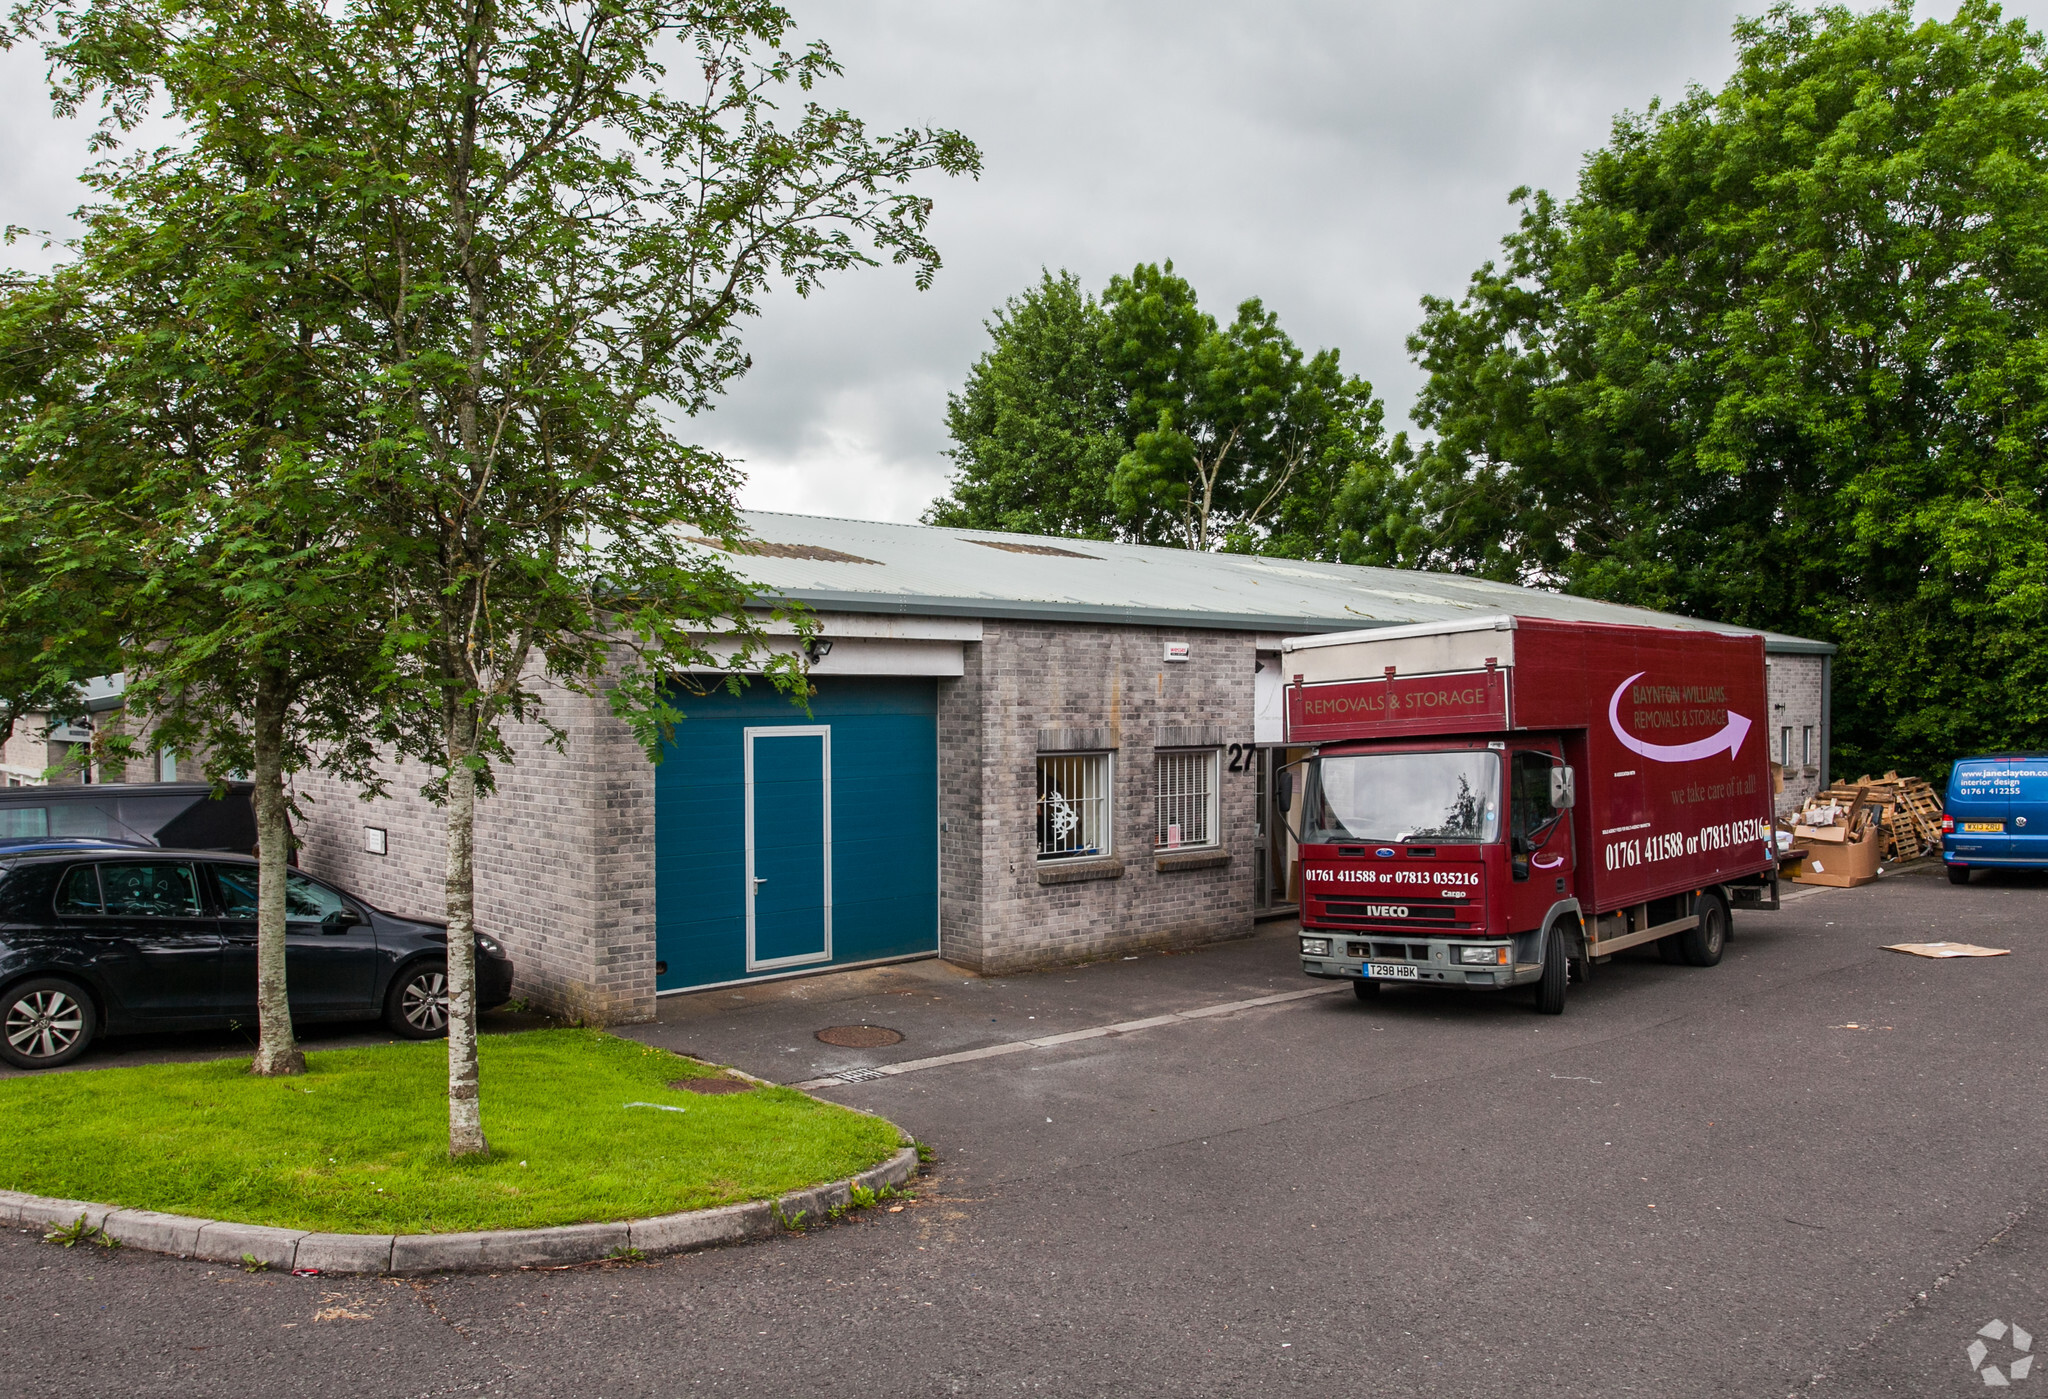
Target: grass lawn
<point>359,1143</point>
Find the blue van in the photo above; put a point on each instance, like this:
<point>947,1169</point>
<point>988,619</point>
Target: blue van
<point>1995,815</point>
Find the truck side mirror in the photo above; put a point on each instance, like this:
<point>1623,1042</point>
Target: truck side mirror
<point>1283,788</point>
<point>1563,794</point>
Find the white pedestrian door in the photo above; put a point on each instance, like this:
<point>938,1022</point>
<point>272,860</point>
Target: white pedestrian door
<point>789,846</point>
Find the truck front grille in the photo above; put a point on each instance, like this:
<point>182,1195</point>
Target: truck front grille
<point>1389,951</point>
<point>1346,911</point>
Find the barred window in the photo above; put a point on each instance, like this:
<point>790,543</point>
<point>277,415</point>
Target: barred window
<point>1186,797</point>
<point>1073,805</point>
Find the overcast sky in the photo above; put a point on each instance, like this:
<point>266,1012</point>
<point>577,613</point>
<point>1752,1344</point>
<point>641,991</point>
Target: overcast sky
<point>1339,160</point>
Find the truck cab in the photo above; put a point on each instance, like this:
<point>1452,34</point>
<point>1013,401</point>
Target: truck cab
<point>1442,862</point>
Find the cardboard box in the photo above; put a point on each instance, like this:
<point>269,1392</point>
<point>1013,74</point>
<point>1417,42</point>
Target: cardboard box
<point>1844,866</point>
<point>1820,835</point>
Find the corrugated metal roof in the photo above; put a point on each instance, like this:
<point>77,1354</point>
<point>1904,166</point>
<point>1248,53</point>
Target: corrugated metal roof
<point>870,566</point>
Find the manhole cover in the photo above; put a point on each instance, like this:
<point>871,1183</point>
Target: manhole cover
<point>712,1085</point>
<point>860,1036</point>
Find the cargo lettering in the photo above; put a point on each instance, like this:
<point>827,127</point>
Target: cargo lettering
<point>1385,702</point>
<point>1324,874</point>
<point>1679,694</point>
<point>1673,845</point>
<point>1683,706</point>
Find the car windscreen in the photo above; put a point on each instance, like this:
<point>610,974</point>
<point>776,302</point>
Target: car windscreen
<point>1443,798</point>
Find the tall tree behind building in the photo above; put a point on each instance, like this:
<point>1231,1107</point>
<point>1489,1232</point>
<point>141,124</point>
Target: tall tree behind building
<point>1780,361</point>
<point>1138,417</point>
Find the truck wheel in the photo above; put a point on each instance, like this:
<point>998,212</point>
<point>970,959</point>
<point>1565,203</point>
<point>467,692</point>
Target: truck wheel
<point>1366,989</point>
<point>1703,943</point>
<point>1959,874</point>
<point>1550,989</point>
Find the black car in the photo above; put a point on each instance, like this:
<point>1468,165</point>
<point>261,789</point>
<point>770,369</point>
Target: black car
<point>98,939</point>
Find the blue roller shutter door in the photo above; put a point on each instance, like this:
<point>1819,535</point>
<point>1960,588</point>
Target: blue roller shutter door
<point>852,881</point>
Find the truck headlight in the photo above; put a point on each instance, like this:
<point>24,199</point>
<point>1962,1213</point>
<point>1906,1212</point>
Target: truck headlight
<point>489,946</point>
<point>1315,947</point>
<point>1485,956</point>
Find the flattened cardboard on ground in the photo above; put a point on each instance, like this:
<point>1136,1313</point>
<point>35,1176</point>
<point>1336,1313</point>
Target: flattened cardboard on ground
<point>1947,949</point>
<point>1843,866</point>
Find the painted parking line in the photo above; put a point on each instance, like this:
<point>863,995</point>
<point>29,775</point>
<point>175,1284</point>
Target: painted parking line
<point>867,1073</point>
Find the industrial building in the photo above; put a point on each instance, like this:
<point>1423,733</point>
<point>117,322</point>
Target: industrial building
<point>1021,751</point>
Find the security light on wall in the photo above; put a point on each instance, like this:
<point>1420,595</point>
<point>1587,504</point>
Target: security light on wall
<point>816,649</point>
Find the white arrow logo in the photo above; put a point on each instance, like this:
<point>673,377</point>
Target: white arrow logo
<point>1729,738</point>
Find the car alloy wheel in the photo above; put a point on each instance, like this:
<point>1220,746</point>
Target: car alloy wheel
<point>424,1002</point>
<point>44,1024</point>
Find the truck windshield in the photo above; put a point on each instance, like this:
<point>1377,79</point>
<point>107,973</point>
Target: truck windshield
<point>1448,798</point>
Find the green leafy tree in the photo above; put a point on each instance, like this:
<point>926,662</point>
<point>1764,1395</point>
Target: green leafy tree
<point>179,485</point>
<point>547,245</point>
<point>1038,428</point>
<point>1140,418</point>
<point>1779,361</point>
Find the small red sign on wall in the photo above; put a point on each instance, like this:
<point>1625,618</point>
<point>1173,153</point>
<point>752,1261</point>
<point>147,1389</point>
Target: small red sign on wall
<point>1399,704</point>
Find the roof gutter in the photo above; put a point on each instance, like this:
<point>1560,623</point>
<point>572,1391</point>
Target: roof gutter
<point>1014,609</point>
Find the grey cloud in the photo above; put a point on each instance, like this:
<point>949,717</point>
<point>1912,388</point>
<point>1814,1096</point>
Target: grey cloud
<point>1339,160</point>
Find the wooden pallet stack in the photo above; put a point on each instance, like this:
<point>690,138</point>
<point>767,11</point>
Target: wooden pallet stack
<point>1909,808</point>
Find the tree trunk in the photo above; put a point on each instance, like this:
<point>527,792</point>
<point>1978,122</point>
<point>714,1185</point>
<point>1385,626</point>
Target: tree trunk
<point>465,1113</point>
<point>277,1050</point>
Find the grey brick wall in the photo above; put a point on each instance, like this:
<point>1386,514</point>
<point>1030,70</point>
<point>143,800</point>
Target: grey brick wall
<point>1794,686</point>
<point>564,859</point>
<point>996,915</point>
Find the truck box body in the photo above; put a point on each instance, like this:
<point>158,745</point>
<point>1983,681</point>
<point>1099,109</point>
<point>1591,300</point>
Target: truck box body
<point>1630,761</point>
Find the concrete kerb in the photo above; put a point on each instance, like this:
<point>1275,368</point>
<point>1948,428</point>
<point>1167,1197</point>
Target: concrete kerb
<point>287,1249</point>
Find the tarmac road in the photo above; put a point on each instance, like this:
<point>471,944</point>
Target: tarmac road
<point>1695,1182</point>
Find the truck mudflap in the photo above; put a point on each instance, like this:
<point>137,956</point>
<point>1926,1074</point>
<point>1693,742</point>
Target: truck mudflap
<point>1398,958</point>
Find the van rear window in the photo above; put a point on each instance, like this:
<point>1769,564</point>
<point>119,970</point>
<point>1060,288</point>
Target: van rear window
<point>24,822</point>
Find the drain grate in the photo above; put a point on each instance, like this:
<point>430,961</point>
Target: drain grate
<point>860,1036</point>
<point>862,1074</point>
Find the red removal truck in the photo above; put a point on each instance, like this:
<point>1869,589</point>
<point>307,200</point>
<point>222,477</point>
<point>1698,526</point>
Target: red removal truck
<point>1508,801</point>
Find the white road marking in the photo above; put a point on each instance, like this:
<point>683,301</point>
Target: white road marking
<point>869,1072</point>
<point>1121,1027</point>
